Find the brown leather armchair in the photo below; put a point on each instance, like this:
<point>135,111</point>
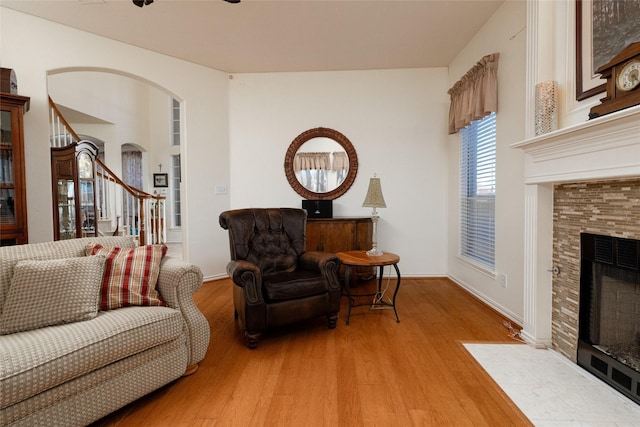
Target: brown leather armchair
<point>275,281</point>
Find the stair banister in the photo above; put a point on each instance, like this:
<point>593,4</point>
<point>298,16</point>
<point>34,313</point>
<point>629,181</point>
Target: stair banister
<point>63,134</point>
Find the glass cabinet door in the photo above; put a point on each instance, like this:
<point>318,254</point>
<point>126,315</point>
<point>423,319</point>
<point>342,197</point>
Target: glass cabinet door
<point>86,195</point>
<point>87,208</point>
<point>66,209</point>
<point>7,206</point>
<point>7,196</point>
<point>13,199</point>
<point>74,190</point>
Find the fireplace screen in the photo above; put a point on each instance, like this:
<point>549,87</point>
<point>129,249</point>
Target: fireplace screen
<point>609,330</point>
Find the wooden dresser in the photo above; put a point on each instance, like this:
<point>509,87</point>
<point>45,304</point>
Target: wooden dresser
<point>341,234</point>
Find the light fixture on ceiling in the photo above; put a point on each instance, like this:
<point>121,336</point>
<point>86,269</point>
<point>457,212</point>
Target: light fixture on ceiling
<point>141,3</point>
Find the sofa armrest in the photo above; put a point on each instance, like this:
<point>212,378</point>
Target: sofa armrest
<point>177,282</point>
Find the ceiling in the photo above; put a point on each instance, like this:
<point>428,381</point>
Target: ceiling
<point>282,35</point>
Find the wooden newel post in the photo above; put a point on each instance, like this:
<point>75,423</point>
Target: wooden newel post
<point>141,236</point>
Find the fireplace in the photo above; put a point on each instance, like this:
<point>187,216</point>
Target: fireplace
<point>609,314</point>
<point>583,178</point>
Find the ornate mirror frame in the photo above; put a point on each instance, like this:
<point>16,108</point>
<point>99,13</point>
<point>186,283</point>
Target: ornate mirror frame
<point>322,133</point>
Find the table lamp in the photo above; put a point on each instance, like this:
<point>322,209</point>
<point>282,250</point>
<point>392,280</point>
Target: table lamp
<point>375,200</point>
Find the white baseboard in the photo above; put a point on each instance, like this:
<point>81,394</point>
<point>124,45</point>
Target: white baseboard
<point>215,277</point>
<point>491,303</point>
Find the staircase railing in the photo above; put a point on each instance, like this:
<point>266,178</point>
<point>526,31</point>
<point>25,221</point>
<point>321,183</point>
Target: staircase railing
<point>142,214</point>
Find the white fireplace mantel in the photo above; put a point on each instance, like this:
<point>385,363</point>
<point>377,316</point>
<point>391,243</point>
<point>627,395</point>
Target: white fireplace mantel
<point>602,148</point>
<point>607,147</point>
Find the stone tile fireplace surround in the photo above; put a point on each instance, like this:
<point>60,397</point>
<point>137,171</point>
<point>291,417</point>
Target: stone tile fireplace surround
<point>608,208</point>
<point>583,178</point>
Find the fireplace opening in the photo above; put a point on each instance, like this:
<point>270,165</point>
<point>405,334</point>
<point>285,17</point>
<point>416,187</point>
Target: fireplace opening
<point>609,327</point>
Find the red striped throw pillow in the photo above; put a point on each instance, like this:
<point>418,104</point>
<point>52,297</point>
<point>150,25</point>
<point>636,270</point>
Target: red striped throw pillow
<point>130,275</point>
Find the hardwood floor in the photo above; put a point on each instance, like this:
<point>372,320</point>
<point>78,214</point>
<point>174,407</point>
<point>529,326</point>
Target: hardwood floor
<point>374,372</point>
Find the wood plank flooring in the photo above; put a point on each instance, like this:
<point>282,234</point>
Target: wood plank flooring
<point>374,372</point>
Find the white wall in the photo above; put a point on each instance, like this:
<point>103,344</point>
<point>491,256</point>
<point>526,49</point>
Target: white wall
<point>162,150</point>
<point>237,131</point>
<point>395,119</point>
<point>117,108</point>
<point>113,98</point>
<point>503,33</point>
<point>550,26</point>
<point>48,48</point>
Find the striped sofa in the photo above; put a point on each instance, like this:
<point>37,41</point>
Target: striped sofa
<point>76,372</point>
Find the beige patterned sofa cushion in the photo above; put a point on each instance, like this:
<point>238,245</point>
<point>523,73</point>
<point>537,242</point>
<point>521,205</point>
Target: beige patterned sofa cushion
<point>52,292</point>
<point>87,398</point>
<point>37,360</point>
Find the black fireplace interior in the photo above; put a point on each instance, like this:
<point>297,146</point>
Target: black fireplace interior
<point>609,331</point>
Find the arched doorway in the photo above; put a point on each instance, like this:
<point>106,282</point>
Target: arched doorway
<point>137,120</point>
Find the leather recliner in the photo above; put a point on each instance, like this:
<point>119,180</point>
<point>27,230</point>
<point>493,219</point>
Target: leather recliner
<point>275,280</point>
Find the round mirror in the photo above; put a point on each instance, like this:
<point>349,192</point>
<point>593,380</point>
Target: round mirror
<point>321,164</point>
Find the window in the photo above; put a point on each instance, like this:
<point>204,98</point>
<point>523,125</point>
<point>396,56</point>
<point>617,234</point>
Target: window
<point>176,173</point>
<point>175,122</point>
<point>478,191</point>
<point>175,189</point>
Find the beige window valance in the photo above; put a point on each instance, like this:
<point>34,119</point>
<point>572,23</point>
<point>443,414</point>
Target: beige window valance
<point>311,161</point>
<point>475,95</point>
<point>340,161</point>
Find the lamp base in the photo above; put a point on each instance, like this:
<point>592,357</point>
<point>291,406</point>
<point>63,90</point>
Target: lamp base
<point>374,252</point>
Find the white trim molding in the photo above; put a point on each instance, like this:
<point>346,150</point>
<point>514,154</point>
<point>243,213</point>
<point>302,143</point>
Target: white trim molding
<point>604,148</point>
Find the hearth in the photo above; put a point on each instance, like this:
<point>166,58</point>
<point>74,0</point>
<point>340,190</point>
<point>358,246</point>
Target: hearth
<point>609,327</point>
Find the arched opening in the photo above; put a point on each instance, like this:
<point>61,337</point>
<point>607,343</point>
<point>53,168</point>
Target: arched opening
<point>138,124</point>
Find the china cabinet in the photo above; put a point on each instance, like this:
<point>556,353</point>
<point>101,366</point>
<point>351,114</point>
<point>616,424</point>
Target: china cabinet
<point>74,199</point>
<point>13,197</point>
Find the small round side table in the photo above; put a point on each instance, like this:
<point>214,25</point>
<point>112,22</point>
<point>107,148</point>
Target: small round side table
<point>361,259</point>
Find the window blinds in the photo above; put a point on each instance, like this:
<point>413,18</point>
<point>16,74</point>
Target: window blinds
<point>477,190</point>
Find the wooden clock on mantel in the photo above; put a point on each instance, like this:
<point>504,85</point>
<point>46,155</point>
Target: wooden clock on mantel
<point>623,82</point>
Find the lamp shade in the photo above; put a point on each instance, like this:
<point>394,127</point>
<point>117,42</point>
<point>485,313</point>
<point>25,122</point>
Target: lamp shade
<point>374,198</point>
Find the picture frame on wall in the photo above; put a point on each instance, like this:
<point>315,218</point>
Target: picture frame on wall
<point>603,28</point>
<point>160,180</point>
